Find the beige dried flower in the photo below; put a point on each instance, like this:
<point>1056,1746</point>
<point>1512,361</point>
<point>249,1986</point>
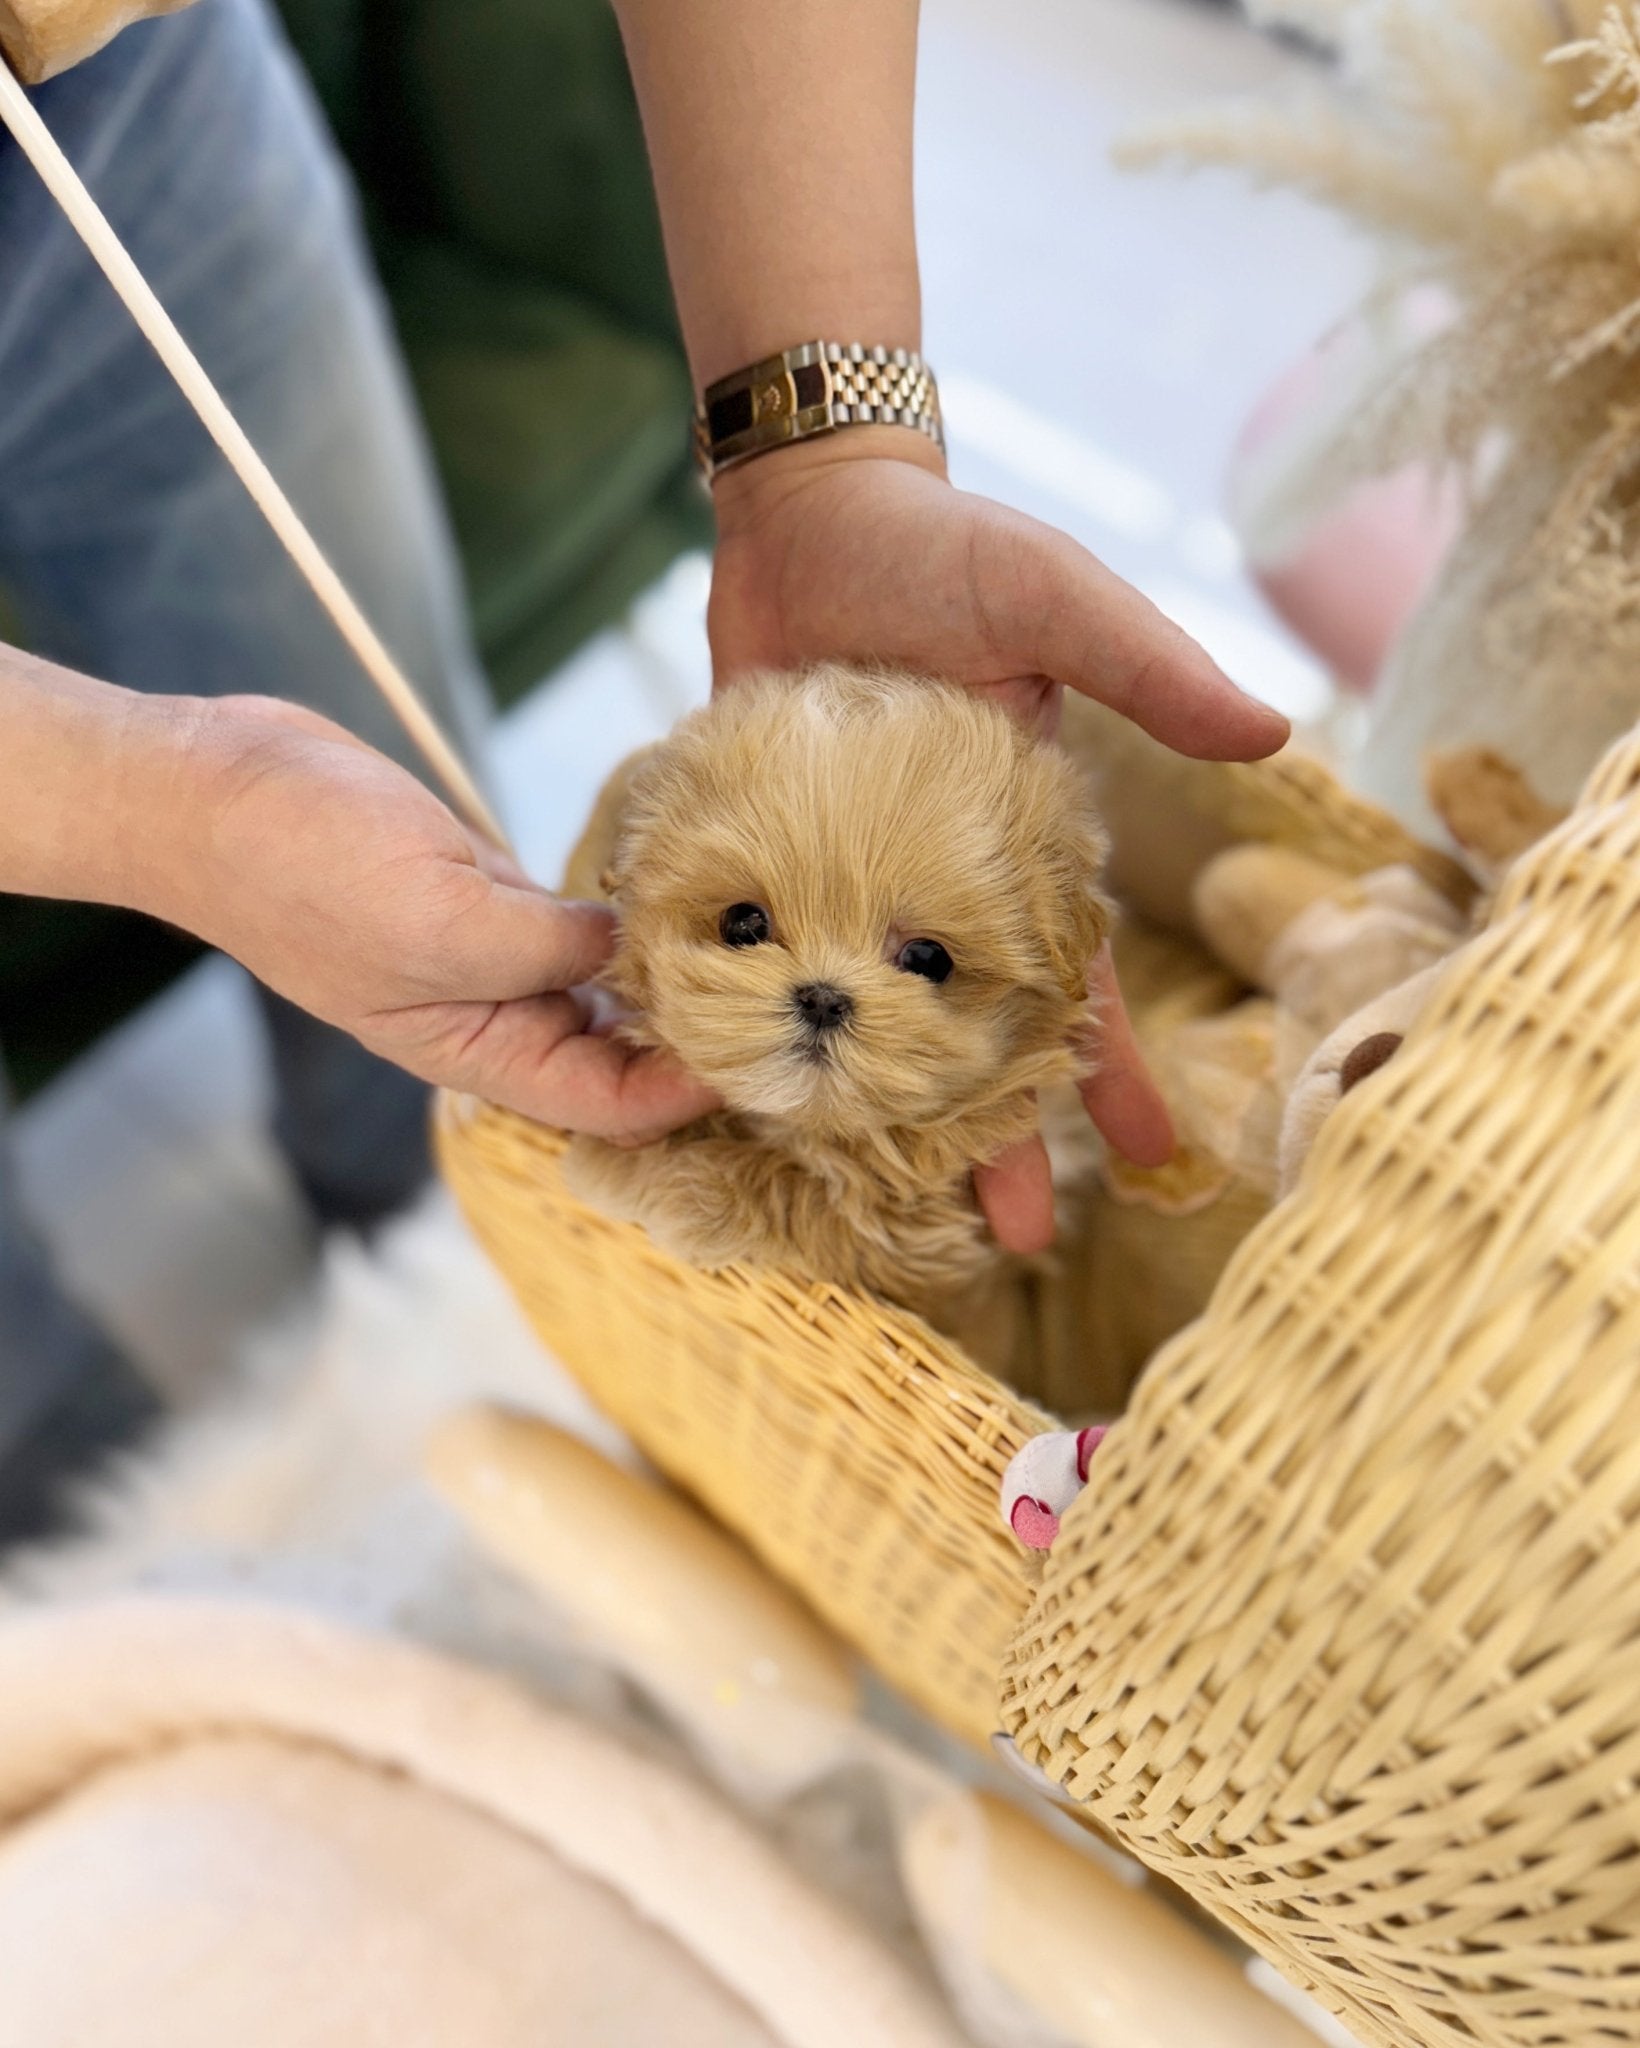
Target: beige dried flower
<point>1492,148</point>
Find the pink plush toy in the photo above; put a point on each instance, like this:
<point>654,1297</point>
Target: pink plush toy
<point>1042,1480</point>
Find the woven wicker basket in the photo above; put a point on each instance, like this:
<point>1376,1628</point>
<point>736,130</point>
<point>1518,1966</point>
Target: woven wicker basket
<point>1344,1638</point>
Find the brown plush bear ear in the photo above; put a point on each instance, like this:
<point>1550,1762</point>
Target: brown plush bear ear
<point>1365,1057</point>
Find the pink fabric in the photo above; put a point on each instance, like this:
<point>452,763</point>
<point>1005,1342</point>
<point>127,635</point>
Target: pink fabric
<point>1034,1523</point>
<point>1350,586</point>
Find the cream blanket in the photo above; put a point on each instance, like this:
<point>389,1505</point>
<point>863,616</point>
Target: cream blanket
<point>224,1823</point>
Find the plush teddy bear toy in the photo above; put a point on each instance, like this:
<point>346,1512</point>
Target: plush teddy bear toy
<point>1344,965</point>
<point>1262,905</point>
<point>1231,1024</point>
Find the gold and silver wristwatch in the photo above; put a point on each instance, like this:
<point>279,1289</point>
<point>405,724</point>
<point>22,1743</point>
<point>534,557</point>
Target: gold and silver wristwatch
<point>815,388</point>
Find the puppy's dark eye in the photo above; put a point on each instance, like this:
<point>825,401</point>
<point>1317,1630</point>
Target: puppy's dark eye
<point>744,924</point>
<point>926,957</point>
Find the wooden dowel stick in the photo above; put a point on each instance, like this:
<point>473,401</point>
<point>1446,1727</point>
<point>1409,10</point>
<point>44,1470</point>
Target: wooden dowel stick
<point>66,187</point>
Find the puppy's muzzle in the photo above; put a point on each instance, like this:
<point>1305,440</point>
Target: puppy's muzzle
<point>821,1008</point>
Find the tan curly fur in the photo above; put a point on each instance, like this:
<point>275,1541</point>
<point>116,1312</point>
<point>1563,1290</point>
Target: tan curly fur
<point>860,810</point>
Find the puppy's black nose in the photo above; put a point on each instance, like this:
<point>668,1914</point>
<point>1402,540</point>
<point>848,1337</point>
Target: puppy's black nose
<point>822,1007</point>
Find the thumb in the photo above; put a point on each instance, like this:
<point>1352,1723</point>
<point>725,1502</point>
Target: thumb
<point>518,940</point>
<point>1054,609</point>
<point>533,1055</point>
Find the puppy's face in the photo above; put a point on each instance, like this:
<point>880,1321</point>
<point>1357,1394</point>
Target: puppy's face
<point>853,901</point>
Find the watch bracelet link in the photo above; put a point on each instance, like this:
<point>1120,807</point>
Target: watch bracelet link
<point>815,388</point>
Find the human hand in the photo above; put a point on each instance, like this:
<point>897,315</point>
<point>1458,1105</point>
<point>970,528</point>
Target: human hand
<point>856,547</point>
<point>342,883</point>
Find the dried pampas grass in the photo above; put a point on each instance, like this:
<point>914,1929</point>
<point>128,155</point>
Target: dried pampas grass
<point>1492,147</point>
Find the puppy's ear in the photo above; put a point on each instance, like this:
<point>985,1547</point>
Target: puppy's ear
<point>622,854</point>
<point>1079,921</point>
<point>628,972</point>
<point>1066,852</point>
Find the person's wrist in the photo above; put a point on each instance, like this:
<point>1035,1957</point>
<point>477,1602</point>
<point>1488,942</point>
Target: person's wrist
<point>192,762</point>
<point>743,495</point>
<point>95,811</point>
<point>160,795</point>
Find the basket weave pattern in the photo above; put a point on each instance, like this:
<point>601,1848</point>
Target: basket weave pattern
<point>1344,1636</point>
<point>853,1450</point>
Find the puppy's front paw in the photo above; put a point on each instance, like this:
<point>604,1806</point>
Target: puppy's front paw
<point>607,1177</point>
<point>698,1199</point>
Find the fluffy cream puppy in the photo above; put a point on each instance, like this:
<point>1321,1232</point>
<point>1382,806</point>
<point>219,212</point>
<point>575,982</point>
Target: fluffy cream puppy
<point>863,908</point>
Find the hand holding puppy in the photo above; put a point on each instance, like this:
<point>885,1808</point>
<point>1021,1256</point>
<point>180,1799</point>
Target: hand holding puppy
<point>837,551</point>
<point>351,890</point>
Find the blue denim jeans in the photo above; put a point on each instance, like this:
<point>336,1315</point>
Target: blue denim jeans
<point>128,548</point>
